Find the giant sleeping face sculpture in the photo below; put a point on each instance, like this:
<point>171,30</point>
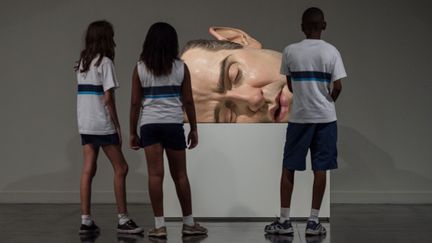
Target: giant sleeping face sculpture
<point>235,80</point>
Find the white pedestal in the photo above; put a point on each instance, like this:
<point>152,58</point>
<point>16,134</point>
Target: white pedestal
<point>235,172</point>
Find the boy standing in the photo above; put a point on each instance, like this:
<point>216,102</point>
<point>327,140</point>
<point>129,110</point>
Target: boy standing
<point>314,70</point>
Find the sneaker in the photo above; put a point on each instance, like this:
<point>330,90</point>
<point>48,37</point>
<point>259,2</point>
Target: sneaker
<point>276,227</point>
<point>196,229</point>
<point>313,228</point>
<point>89,229</point>
<point>159,232</point>
<point>129,228</point>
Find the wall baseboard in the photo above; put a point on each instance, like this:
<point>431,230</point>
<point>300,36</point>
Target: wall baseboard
<point>396,197</point>
<point>382,197</point>
<point>68,197</point>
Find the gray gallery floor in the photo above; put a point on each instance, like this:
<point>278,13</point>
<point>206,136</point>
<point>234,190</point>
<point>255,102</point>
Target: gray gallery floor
<point>44,223</point>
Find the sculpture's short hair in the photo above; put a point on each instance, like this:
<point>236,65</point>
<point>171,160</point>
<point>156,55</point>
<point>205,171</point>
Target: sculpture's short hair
<point>211,45</point>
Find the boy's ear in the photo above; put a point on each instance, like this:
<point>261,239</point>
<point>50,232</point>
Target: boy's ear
<point>324,25</point>
<point>235,35</point>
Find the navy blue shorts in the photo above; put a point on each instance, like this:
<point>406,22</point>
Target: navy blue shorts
<point>100,140</point>
<point>320,138</point>
<point>169,135</point>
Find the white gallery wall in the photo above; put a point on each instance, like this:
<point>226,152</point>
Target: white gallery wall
<point>384,111</point>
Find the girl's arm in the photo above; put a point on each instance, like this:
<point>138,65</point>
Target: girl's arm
<point>189,106</point>
<point>109,100</point>
<point>135,109</point>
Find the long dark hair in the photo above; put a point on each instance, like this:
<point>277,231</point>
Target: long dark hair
<point>160,49</point>
<point>99,40</point>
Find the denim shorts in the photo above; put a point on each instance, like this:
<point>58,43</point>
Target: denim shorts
<point>169,135</point>
<point>320,138</point>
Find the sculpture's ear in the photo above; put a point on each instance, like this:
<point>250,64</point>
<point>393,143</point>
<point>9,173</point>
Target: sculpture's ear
<point>234,35</point>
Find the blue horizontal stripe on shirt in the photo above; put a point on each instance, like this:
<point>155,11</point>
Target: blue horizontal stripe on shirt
<point>90,93</point>
<point>311,80</point>
<point>161,96</point>
<point>161,90</point>
<point>311,76</point>
<point>90,87</point>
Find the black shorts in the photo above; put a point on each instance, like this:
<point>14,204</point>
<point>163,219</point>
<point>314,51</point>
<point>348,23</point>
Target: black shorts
<point>100,140</point>
<point>169,135</point>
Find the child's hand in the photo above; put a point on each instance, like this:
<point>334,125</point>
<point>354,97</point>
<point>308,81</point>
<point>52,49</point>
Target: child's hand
<point>193,139</point>
<point>134,142</point>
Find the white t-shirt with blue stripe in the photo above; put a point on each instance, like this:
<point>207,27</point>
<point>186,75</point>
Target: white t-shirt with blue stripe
<point>93,115</point>
<point>312,65</point>
<point>161,101</point>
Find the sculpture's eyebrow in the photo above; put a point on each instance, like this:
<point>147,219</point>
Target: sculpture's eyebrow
<point>221,87</point>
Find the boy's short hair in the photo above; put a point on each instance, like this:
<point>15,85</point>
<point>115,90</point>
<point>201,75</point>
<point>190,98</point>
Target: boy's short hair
<point>313,18</point>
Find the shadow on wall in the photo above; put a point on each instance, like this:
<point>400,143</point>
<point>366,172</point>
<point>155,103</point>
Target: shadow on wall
<point>65,183</point>
<point>364,166</point>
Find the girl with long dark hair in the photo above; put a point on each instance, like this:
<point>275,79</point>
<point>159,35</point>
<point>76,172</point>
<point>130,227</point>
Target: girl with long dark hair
<point>161,89</point>
<point>98,122</point>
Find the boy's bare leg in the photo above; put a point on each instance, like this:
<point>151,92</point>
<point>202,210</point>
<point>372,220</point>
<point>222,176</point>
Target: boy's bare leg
<point>286,187</point>
<point>319,185</point>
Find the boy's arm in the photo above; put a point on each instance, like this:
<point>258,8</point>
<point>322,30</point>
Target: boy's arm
<point>135,109</point>
<point>289,83</point>
<point>337,89</point>
<point>189,106</point>
<point>338,73</point>
<point>109,101</point>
